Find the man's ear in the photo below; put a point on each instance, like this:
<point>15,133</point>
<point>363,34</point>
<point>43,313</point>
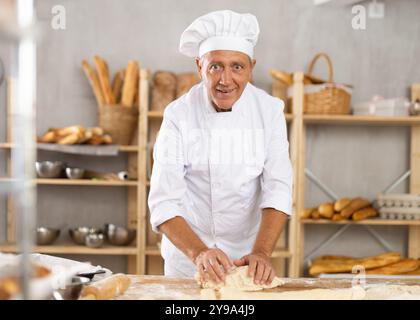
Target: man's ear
<point>253,62</point>
<point>199,67</point>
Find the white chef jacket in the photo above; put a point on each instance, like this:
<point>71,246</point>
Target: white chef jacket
<point>217,170</point>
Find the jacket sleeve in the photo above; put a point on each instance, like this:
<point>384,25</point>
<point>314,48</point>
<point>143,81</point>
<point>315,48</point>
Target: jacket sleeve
<point>277,176</point>
<point>167,184</point>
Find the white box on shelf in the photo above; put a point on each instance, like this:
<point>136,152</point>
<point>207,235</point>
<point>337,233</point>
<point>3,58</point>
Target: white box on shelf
<point>383,107</point>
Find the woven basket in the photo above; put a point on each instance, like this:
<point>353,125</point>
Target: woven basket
<point>120,122</point>
<point>327,98</point>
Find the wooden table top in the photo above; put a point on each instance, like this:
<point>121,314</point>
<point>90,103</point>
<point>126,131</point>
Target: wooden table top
<point>167,288</point>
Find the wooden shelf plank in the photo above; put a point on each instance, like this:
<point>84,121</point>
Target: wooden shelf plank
<point>122,148</point>
<point>74,249</point>
<point>379,222</point>
<point>79,182</point>
<point>152,251</point>
<point>361,120</point>
<point>155,114</point>
<point>85,182</point>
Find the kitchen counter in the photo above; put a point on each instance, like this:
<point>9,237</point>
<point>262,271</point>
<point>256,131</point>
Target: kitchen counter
<point>166,288</point>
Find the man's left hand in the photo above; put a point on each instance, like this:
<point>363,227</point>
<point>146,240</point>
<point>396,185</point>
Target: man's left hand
<point>260,267</point>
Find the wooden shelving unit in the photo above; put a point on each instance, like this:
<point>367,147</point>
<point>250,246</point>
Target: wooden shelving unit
<point>298,123</point>
<point>136,252</point>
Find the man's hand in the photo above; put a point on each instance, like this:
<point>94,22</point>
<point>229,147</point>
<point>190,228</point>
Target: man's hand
<point>213,264</point>
<point>259,267</point>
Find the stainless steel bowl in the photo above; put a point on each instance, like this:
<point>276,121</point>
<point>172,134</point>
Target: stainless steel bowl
<point>75,173</point>
<point>46,236</point>
<point>49,169</point>
<point>72,290</point>
<point>94,240</point>
<point>119,236</point>
<point>78,235</point>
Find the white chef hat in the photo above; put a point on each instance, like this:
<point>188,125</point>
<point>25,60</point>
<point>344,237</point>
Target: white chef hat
<point>220,30</point>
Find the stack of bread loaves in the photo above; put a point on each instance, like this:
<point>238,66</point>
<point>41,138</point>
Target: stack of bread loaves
<point>355,209</point>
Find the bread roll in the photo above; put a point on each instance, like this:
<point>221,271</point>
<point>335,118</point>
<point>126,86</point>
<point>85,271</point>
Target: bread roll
<point>340,204</point>
<point>326,210</point>
<point>355,205</point>
<point>306,213</point>
<point>315,215</point>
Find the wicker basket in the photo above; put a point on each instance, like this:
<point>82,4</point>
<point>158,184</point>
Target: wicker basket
<point>326,98</point>
<point>120,122</point>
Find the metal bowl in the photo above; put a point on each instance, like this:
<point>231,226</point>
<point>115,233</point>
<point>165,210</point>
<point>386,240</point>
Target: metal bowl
<point>78,235</point>
<point>49,169</point>
<point>94,240</point>
<point>72,290</point>
<point>46,236</point>
<point>75,173</point>
<point>119,236</point>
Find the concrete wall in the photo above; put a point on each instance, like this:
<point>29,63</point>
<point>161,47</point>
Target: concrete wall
<point>383,59</point>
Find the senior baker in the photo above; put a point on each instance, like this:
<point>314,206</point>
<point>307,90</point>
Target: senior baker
<point>221,186</point>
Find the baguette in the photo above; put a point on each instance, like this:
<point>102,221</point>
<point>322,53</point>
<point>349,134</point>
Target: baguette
<point>117,85</point>
<point>50,136</point>
<point>400,267</point>
<point>94,83</point>
<point>346,265</point>
<point>355,205</point>
<point>103,75</point>
<point>326,210</point>
<point>365,213</point>
<point>130,83</point>
<point>340,204</point>
<point>72,138</point>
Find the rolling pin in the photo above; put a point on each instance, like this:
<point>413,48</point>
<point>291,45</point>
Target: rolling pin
<point>106,288</point>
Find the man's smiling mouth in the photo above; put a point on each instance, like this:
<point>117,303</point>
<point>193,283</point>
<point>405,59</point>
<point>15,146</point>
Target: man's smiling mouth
<point>225,91</point>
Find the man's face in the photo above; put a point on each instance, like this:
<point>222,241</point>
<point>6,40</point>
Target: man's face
<point>225,74</point>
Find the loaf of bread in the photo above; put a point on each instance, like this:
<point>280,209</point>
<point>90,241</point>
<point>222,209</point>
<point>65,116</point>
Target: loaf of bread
<point>185,81</point>
<point>400,267</point>
<point>365,213</point>
<point>106,288</point>
<point>130,84</point>
<point>340,204</point>
<point>355,205</point>
<point>164,85</point>
<point>346,265</point>
<point>103,75</point>
<point>326,210</point>
<point>337,217</point>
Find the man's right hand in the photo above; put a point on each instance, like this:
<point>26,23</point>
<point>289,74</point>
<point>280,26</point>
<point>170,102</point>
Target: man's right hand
<point>213,264</point>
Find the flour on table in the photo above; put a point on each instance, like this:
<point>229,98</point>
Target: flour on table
<point>355,293</point>
<point>393,292</point>
<point>238,279</point>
